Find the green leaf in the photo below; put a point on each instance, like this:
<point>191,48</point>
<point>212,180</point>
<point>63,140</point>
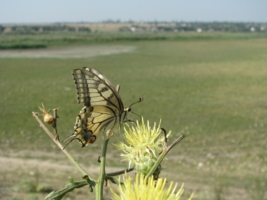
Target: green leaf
<point>57,195</point>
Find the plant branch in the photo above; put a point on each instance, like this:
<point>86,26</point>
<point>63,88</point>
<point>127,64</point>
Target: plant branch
<point>102,176</point>
<point>54,124</point>
<point>163,154</point>
<point>90,181</point>
<point>120,172</point>
<point>110,176</point>
<point>179,139</point>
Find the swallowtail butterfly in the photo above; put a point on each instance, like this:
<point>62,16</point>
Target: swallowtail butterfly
<point>103,108</point>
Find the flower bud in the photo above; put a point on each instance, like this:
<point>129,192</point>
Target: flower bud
<point>48,118</point>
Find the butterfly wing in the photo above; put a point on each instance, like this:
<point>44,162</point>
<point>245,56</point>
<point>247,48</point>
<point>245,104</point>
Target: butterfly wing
<point>103,107</point>
<point>93,88</point>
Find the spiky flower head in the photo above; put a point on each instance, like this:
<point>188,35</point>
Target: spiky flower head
<point>146,188</point>
<point>142,146</point>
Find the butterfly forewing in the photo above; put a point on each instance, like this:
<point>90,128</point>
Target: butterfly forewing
<point>103,105</point>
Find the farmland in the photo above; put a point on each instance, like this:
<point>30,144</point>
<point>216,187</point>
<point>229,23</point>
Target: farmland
<point>211,87</point>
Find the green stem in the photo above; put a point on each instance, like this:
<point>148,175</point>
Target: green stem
<point>163,154</point>
<point>101,180</point>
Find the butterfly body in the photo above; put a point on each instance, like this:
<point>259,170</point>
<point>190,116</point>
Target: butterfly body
<point>103,108</point>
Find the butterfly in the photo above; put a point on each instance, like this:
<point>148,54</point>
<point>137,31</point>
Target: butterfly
<point>103,108</point>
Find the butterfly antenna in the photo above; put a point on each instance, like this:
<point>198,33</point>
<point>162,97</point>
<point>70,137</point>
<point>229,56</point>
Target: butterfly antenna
<point>140,100</point>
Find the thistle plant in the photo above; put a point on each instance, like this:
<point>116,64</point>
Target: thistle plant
<point>144,147</point>
<point>146,188</point>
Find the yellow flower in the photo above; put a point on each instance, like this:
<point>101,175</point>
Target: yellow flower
<point>147,189</point>
<point>142,146</point>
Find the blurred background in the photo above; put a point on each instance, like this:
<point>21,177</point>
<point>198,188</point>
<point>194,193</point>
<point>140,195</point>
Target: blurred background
<point>200,66</point>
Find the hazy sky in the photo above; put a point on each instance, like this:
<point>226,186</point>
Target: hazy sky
<point>42,11</point>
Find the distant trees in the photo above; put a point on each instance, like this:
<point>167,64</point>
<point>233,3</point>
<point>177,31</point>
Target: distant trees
<point>194,27</point>
<point>139,27</point>
<point>18,29</point>
<point>84,30</point>
<point>2,29</point>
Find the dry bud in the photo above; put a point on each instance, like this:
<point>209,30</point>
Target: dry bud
<point>48,118</point>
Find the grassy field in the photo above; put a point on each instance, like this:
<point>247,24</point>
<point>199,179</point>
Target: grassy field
<point>212,89</point>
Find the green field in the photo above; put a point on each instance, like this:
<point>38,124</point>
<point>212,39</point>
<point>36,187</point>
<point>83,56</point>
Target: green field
<point>212,88</point>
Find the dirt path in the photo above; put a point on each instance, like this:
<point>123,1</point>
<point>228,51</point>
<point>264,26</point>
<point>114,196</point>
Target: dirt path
<point>11,161</point>
<point>67,52</point>
<point>40,167</point>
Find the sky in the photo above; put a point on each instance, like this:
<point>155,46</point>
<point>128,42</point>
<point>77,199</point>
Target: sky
<point>51,11</point>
